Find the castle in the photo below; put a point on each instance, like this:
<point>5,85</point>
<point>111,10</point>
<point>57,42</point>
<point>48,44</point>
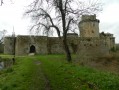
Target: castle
<point>89,43</point>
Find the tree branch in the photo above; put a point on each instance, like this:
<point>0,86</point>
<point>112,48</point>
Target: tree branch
<point>68,25</point>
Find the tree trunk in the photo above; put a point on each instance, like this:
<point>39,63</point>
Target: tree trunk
<point>67,51</point>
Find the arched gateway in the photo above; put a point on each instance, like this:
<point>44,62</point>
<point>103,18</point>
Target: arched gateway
<point>32,49</point>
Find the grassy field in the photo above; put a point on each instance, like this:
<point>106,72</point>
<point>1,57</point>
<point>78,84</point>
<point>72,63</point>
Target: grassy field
<point>52,72</point>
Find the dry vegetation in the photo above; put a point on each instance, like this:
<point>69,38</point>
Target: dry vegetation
<point>108,63</point>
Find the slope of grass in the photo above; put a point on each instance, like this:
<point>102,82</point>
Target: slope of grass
<point>52,72</point>
<point>65,76</point>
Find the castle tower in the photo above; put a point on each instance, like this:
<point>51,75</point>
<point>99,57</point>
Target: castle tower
<point>89,26</point>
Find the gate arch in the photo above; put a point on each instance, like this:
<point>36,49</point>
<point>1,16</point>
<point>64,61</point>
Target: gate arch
<point>32,49</point>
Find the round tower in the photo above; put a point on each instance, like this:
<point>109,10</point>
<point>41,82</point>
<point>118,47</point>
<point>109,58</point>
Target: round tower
<point>89,26</point>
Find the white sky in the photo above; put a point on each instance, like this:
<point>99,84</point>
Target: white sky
<point>11,14</point>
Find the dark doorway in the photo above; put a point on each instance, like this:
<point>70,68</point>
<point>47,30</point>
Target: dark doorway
<point>32,49</point>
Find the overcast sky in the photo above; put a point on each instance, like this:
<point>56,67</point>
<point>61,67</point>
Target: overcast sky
<point>11,15</point>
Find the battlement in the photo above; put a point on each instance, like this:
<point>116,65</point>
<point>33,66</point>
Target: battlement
<point>102,34</point>
<point>86,18</point>
<point>89,17</point>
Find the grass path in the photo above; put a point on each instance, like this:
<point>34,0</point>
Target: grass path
<point>38,77</point>
<point>26,74</point>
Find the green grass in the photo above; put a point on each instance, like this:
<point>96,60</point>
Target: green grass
<point>21,76</point>
<point>65,76</point>
<point>52,71</point>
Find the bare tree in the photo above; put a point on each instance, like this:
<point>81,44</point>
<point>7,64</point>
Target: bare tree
<point>60,15</point>
<point>2,35</point>
<point>1,2</point>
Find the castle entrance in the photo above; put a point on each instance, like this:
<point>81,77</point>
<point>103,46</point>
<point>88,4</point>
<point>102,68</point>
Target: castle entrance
<point>32,49</point>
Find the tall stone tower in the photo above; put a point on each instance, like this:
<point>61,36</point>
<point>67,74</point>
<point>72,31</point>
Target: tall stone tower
<point>89,26</point>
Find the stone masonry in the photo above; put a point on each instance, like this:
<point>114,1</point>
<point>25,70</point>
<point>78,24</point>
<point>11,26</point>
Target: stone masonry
<point>89,43</point>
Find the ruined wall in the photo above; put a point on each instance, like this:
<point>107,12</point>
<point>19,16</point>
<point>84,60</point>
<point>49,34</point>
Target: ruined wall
<point>89,26</point>
<point>73,43</point>
<point>89,44</point>
<point>109,39</point>
<point>55,46</point>
<point>83,46</point>
<point>23,44</point>
<point>92,47</point>
<point>9,45</point>
<point>117,47</point>
<point>41,44</point>
<point>44,45</point>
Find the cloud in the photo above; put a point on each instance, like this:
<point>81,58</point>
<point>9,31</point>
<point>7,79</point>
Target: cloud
<point>109,21</point>
<point>11,14</point>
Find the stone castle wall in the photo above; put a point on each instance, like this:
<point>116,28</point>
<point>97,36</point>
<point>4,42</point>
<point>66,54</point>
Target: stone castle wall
<point>109,39</point>
<point>42,44</point>
<point>23,44</point>
<point>92,47</point>
<point>9,45</point>
<point>55,46</point>
<point>52,45</point>
<point>91,43</point>
<point>117,47</point>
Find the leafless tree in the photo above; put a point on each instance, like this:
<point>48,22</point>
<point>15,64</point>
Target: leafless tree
<point>2,35</point>
<point>60,15</point>
<point>1,2</point>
